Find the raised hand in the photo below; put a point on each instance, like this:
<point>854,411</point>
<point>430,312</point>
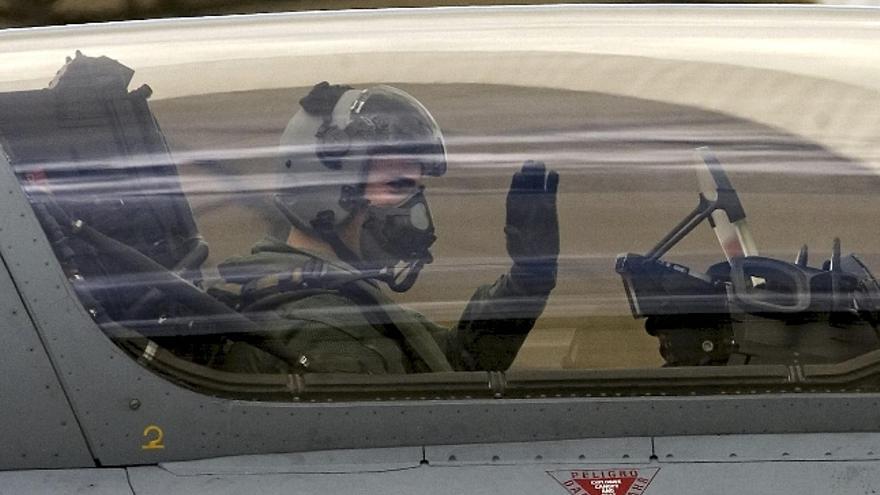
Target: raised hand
<point>532,228</point>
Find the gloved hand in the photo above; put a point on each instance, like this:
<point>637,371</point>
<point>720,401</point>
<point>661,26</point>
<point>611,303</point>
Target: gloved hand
<point>532,229</point>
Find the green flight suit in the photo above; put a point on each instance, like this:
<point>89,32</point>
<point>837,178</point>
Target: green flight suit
<point>355,328</point>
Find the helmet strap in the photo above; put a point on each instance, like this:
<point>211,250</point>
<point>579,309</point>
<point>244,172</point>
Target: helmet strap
<point>323,226</point>
<point>399,281</point>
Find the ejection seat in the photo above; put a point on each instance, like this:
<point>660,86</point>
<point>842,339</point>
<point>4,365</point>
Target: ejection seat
<point>97,170</point>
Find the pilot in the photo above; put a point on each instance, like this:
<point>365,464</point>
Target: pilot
<point>353,165</point>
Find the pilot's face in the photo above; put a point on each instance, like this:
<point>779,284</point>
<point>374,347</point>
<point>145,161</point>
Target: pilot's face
<point>396,226</point>
<point>391,180</point>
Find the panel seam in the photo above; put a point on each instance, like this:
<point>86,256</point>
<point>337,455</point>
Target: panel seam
<point>52,364</point>
<point>128,480</point>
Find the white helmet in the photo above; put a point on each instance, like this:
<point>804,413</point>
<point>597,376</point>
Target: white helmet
<point>328,144</point>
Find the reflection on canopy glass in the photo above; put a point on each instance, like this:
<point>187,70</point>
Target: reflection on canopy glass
<point>396,229</point>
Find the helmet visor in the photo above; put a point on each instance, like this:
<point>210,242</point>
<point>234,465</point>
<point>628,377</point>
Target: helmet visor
<point>389,122</point>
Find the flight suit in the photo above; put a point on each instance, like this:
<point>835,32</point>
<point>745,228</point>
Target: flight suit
<point>336,322</point>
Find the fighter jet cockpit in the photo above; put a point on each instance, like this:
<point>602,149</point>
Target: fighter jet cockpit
<point>509,249</point>
<point>302,235</point>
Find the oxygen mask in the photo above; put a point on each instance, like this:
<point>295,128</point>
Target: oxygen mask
<point>395,235</point>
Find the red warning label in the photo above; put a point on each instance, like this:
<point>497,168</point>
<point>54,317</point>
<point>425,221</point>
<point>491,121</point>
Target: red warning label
<point>617,481</point>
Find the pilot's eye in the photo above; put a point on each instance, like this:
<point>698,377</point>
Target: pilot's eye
<point>402,184</point>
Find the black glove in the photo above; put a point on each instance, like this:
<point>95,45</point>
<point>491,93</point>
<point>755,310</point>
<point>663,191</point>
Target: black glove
<point>532,229</point>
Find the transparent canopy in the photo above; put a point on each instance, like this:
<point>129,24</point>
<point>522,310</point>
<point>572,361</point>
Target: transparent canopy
<point>154,198</point>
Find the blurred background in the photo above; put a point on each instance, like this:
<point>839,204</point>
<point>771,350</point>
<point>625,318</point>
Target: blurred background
<point>19,13</point>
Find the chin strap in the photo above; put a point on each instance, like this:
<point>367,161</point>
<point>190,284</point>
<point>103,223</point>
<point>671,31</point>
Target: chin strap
<point>341,249</point>
<point>400,281</point>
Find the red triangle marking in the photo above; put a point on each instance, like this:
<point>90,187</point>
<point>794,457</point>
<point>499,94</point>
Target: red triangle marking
<point>605,486</point>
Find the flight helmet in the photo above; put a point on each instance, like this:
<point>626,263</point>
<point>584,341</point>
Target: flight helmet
<point>327,146</point>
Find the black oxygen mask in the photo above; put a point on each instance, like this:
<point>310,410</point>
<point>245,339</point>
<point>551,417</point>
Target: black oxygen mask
<point>397,234</point>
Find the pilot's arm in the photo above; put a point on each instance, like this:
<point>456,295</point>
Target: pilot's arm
<point>499,316</point>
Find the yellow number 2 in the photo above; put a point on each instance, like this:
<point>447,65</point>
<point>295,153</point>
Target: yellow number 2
<point>154,436</point>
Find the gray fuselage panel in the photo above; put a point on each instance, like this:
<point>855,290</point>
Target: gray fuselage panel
<point>39,429</point>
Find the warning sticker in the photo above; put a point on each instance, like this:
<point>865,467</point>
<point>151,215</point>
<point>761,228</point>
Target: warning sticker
<point>616,481</point>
